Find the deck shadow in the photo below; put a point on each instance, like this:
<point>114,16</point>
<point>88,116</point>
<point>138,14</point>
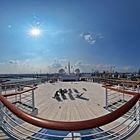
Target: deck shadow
<point>83,98</point>
<point>63,96</point>
<point>70,94</point>
<point>84,89</point>
<point>75,90</point>
<point>57,98</point>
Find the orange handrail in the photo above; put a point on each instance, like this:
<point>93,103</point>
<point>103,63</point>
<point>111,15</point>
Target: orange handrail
<point>71,126</point>
<point>19,92</point>
<point>132,83</point>
<point>120,90</point>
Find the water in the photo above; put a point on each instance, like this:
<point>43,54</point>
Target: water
<point>13,80</point>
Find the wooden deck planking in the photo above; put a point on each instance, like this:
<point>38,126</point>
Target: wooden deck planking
<point>70,110</point>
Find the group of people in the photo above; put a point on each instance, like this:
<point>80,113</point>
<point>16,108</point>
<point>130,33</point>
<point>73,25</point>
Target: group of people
<point>60,92</point>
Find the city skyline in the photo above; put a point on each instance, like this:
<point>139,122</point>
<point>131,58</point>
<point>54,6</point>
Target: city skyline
<point>91,34</point>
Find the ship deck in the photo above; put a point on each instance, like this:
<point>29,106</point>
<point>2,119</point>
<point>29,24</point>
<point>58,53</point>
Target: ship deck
<point>89,105</point>
<point>71,108</point>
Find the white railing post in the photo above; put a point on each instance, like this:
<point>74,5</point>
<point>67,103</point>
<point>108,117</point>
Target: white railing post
<point>0,89</point>
<point>106,98</point>
<point>138,88</point>
<point>20,98</point>
<point>0,108</point>
<point>0,114</point>
<point>33,101</point>
<point>5,89</point>
<point>123,89</point>
<point>15,98</point>
<point>72,135</point>
<point>137,107</point>
<point>139,111</point>
<point>123,97</point>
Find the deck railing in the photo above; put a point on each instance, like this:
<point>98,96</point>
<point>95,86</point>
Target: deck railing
<point>115,125</point>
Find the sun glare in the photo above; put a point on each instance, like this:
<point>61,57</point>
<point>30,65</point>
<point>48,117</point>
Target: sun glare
<point>35,32</point>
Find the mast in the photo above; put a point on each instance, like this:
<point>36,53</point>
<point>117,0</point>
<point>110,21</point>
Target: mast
<point>68,68</point>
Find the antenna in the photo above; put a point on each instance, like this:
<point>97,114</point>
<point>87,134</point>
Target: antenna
<point>69,68</point>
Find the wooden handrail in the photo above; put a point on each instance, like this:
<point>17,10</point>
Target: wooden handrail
<point>130,83</point>
<point>19,92</point>
<point>71,126</point>
<point>120,90</point>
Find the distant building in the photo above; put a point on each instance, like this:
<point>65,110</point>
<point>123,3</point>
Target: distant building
<point>69,76</point>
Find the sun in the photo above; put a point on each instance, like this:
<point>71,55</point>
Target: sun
<point>35,32</point>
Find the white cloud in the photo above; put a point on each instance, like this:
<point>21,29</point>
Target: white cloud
<point>127,68</point>
<point>89,37</point>
<point>53,32</point>
<point>78,63</point>
<point>56,65</point>
<point>100,36</point>
<point>13,61</point>
<point>18,66</point>
<point>34,66</point>
<point>84,67</point>
<point>9,26</point>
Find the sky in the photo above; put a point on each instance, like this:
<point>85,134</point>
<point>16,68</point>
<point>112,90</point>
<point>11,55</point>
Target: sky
<point>91,34</point>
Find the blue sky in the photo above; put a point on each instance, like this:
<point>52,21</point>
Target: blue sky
<point>91,34</point>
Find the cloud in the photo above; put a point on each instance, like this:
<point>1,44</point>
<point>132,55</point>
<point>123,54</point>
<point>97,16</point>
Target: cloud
<point>100,36</point>
<point>56,65</point>
<point>78,63</point>
<point>86,67</point>
<point>89,37</point>
<point>9,26</point>
<point>20,62</point>
<point>54,32</point>
<point>18,66</point>
<point>2,62</point>
<point>58,32</point>
<point>127,68</point>
<point>13,61</point>
<point>35,66</point>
